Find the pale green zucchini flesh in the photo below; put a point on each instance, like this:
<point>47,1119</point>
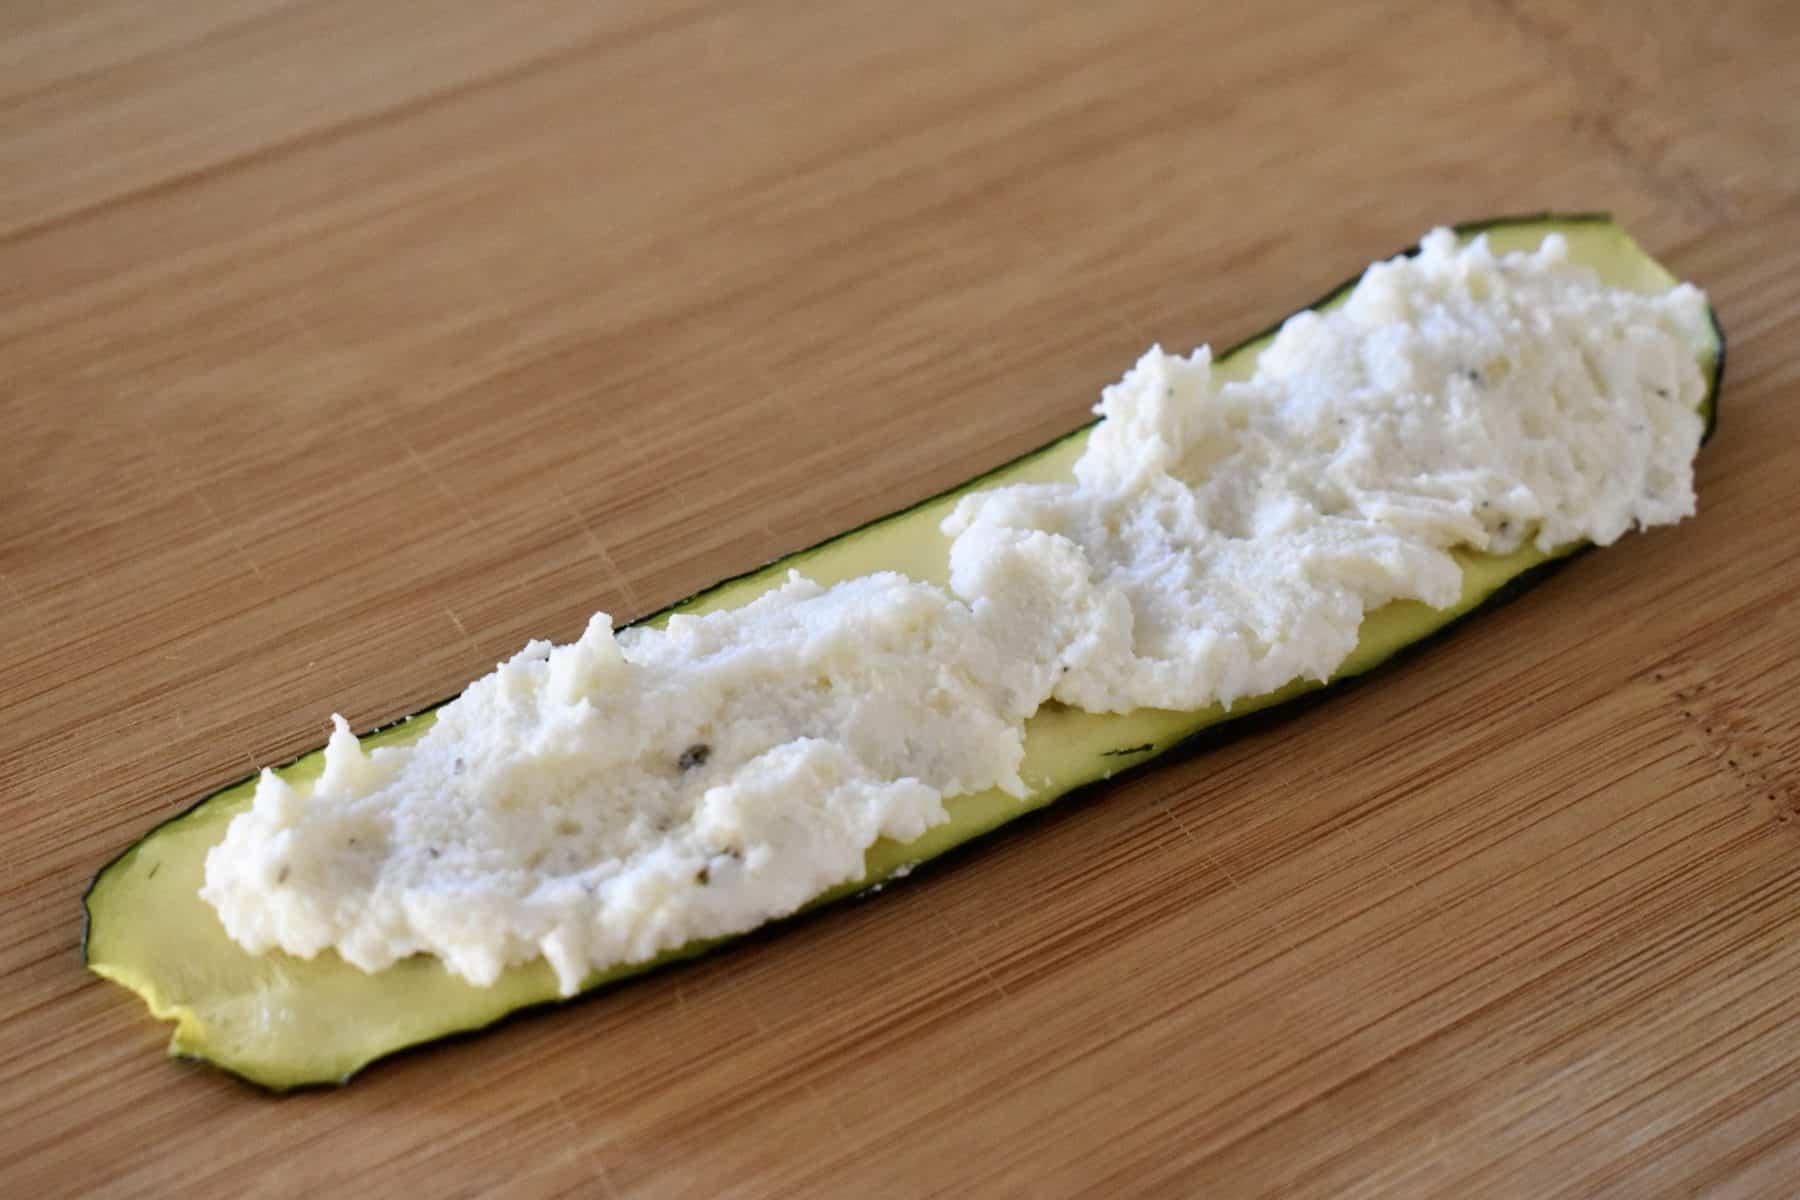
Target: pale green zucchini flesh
<point>284,1022</point>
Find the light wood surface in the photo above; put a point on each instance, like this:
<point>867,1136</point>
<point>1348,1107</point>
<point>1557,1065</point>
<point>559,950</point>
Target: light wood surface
<point>345,346</point>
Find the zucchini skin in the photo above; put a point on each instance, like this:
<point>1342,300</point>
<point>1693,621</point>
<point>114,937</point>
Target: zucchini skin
<point>1207,737</point>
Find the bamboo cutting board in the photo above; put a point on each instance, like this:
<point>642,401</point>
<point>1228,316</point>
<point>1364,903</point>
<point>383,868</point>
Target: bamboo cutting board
<point>344,347</point>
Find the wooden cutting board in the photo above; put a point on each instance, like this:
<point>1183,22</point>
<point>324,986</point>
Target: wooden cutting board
<point>343,347</point>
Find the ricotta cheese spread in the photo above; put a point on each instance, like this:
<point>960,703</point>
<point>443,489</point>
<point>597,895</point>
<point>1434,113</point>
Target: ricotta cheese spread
<point>610,800</point>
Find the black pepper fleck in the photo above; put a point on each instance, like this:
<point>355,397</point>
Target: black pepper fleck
<point>281,876</point>
<point>1471,374</point>
<point>694,756</point>
<point>703,876</point>
<point>1663,392</point>
<point>433,851</point>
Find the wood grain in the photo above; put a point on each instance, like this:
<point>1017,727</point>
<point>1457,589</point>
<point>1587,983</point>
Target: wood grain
<point>343,347</point>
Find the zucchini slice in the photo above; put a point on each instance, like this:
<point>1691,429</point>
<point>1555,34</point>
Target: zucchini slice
<point>284,1022</point>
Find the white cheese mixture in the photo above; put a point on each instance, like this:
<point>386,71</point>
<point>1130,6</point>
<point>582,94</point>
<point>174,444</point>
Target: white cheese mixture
<point>618,797</point>
<point>1219,542</point>
<point>609,799</point>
